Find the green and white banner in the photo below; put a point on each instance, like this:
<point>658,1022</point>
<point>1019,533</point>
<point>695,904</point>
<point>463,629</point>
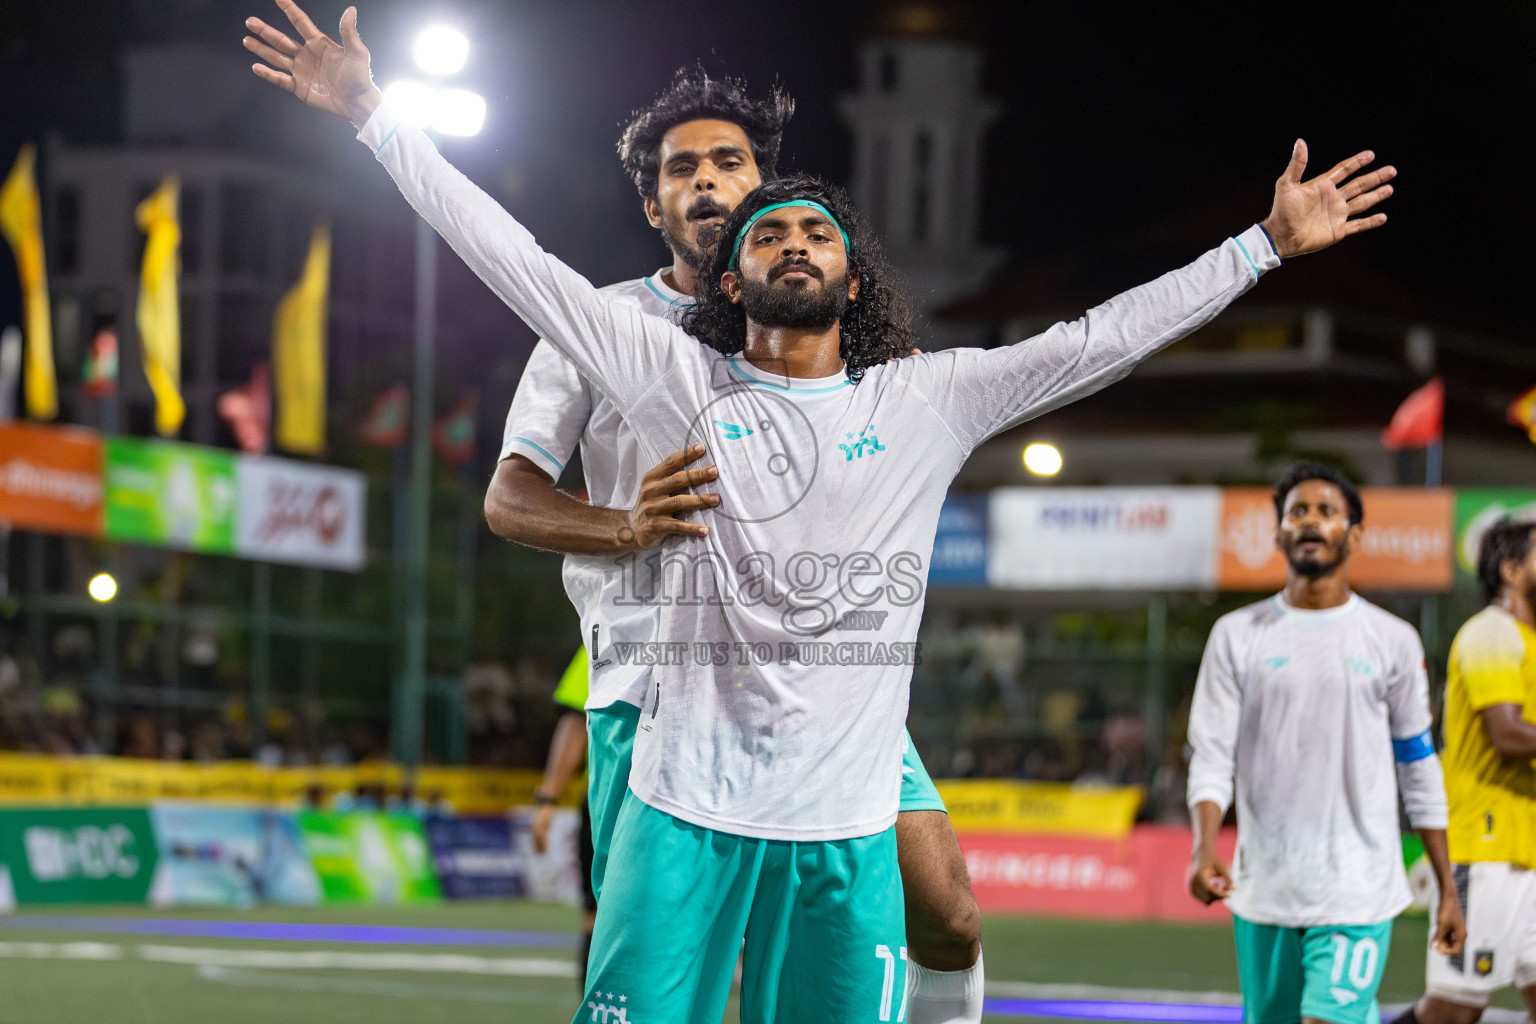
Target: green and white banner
<point>1478,508</point>
<point>370,857</point>
<point>77,855</point>
<point>170,495</point>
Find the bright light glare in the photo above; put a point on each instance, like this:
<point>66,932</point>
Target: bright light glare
<point>1042,459</point>
<point>458,112</point>
<point>441,50</point>
<point>102,587</point>
<point>416,101</point>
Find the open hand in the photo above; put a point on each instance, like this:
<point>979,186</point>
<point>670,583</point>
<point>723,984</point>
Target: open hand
<point>1312,215</point>
<point>663,496</point>
<point>326,75</point>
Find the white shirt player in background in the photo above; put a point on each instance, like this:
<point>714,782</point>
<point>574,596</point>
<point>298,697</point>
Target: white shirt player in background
<point>692,153</point>
<point>1304,705</point>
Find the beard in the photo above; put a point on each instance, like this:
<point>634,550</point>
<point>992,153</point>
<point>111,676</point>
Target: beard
<point>675,236</point>
<point>1314,567</point>
<point>797,306</point>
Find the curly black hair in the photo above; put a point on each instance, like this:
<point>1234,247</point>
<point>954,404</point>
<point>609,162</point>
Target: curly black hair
<point>1300,472</point>
<point>694,96</point>
<point>876,327</point>
<point>1508,540</point>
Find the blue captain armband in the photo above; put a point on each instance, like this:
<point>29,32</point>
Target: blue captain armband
<point>1414,748</point>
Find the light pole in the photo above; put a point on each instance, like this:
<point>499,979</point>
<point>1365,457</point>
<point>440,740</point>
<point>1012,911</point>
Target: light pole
<point>439,51</point>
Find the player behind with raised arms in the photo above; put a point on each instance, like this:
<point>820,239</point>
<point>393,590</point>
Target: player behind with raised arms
<point>765,784</point>
<point>1308,700</point>
<point>1490,777</point>
<point>693,153</point>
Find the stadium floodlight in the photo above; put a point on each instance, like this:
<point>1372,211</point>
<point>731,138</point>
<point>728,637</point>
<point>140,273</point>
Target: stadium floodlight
<point>1042,459</point>
<point>102,587</point>
<point>458,112</point>
<point>441,50</point>
<point>416,101</point>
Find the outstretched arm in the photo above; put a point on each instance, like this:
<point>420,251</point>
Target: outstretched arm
<point>980,393</point>
<point>618,348</point>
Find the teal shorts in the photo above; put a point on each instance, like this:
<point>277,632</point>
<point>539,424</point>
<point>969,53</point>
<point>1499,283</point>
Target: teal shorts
<point>611,749</point>
<point>1330,972</point>
<point>823,925</point>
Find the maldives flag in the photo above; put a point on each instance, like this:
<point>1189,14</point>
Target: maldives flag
<point>454,434</point>
<point>1420,420</point>
<point>387,418</point>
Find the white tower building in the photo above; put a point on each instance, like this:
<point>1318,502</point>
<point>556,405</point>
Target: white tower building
<point>918,121</point>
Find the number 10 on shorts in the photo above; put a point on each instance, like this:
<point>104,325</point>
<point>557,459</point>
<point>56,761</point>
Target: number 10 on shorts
<point>1358,959</point>
<point>888,986</point>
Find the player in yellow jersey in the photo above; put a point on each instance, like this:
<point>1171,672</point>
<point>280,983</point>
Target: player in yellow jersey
<point>567,757</point>
<point>1490,779</point>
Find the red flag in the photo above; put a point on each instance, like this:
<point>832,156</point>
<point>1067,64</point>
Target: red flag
<point>248,411</point>
<point>1420,420</point>
<point>387,418</point>
<point>453,435</point>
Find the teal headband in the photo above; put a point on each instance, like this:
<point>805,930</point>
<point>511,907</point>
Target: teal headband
<point>809,204</point>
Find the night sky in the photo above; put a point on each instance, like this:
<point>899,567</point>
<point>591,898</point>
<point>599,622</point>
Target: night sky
<point>1115,113</point>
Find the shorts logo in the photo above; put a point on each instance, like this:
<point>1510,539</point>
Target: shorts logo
<point>607,1013</point>
<point>1482,962</point>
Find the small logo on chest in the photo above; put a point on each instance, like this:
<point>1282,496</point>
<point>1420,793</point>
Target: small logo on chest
<point>856,447</point>
<point>1277,661</point>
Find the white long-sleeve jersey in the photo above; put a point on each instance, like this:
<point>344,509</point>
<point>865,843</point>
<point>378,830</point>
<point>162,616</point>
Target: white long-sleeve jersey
<point>554,410</point>
<point>786,637</point>
<point>1308,711</point>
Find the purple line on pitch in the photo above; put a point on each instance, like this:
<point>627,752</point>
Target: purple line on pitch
<point>287,931</point>
<point>1093,1009</point>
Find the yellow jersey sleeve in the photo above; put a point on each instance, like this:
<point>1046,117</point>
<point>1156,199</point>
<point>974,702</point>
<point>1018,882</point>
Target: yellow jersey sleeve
<point>1490,654</point>
<point>572,690</point>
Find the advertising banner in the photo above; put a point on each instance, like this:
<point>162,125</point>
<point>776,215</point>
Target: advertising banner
<point>229,857</point>
<point>170,495</point>
<point>1140,877</point>
<point>478,857</point>
<point>1049,538</point>
<point>960,543</point>
<point>50,479</point>
<point>1479,508</point>
<point>369,857</point>
<point>1005,806</point>
<point>301,514</point>
<point>1405,544</point>
<point>77,855</point>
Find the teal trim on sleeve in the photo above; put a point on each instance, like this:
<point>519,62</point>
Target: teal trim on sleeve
<point>541,451</point>
<point>386,140</point>
<point>1251,265</point>
<point>1414,748</point>
<point>1272,246</point>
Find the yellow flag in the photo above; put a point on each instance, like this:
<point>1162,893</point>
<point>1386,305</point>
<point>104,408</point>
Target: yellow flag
<point>22,222</point>
<point>159,312</point>
<point>298,351</point>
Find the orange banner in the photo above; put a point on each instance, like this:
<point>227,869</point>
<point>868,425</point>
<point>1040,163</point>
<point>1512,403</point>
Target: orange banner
<point>50,478</point>
<point>1406,543</point>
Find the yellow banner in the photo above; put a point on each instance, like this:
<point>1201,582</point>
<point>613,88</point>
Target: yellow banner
<point>21,221</point>
<point>159,311</point>
<point>33,779</point>
<point>298,352</point>
<point>1007,806</point>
